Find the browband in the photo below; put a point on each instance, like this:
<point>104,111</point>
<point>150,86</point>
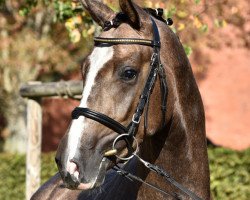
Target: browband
<point>113,41</point>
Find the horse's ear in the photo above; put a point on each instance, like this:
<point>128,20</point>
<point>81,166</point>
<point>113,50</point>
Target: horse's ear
<point>98,11</point>
<point>131,9</point>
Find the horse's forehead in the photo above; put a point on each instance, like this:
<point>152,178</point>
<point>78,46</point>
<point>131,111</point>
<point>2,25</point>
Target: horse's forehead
<point>123,31</point>
<point>125,51</point>
<point>97,59</point>
<point>100,55</point>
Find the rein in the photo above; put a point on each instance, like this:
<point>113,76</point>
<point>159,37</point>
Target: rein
<point>128,133</point>
<point>158,170</point>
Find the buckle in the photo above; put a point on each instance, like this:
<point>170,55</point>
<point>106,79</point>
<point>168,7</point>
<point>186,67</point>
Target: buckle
<point>136,121</point>
<point>153,57</point>
<point>157,44</point>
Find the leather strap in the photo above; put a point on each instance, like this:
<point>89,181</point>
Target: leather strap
<point>114,41</point>
<point>168,178</point>
<point>145,97</point>
<point>99,117</point>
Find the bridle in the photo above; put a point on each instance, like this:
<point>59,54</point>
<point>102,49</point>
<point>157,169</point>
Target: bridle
<point>128,133</point>
<point>156,68</point>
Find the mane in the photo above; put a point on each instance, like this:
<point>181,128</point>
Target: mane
<point>123,18</point>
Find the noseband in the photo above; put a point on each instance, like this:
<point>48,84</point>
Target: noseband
<point>156,68</point>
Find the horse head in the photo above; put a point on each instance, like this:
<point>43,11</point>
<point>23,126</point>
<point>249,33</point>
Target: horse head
<point>114,76</point>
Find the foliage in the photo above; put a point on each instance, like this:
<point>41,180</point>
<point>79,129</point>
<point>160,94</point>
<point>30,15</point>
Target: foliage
<point>12,177</point>
<point>49,167</point>
<point>192,18</point>
<point>12,174</point>
<point>188,16</point>
<point>229,174</point>
<point>33,47</point>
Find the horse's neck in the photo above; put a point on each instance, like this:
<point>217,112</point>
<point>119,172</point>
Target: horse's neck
<point>180,149</point>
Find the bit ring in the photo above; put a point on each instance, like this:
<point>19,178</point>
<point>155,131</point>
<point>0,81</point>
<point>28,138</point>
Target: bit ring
<point>123,137</point>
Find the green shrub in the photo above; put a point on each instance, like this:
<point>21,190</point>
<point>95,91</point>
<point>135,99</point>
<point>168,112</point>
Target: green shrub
<point>230,174</point>
<point>12,177</point>
<point>12,174</point>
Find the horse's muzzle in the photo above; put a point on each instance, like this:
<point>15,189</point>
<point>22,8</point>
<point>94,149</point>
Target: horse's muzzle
<point>71,181</point>
<point>70,174</point>
<point>74,177</point>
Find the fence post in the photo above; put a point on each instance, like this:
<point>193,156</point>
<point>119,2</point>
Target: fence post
<point>35,91</point>
<point>33,156</point>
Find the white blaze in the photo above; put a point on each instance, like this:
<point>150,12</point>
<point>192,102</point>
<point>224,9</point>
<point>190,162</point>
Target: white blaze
<point>98,58</point>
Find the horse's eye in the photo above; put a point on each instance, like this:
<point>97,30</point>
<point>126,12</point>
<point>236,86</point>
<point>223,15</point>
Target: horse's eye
<point>128,74</point>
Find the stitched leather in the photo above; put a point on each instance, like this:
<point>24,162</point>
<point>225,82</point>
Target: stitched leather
<point>99,117</point>
<point>114,41</point>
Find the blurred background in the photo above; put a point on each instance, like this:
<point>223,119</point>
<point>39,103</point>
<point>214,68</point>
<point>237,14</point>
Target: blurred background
<point>47,40</point>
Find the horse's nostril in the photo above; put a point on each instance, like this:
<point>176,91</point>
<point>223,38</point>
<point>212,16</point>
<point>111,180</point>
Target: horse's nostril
<point>73,169</point>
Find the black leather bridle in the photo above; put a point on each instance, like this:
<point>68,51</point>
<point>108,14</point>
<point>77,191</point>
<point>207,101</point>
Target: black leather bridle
<point>156,68</point>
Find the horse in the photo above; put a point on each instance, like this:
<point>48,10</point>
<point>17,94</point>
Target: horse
<point>168,123</point>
